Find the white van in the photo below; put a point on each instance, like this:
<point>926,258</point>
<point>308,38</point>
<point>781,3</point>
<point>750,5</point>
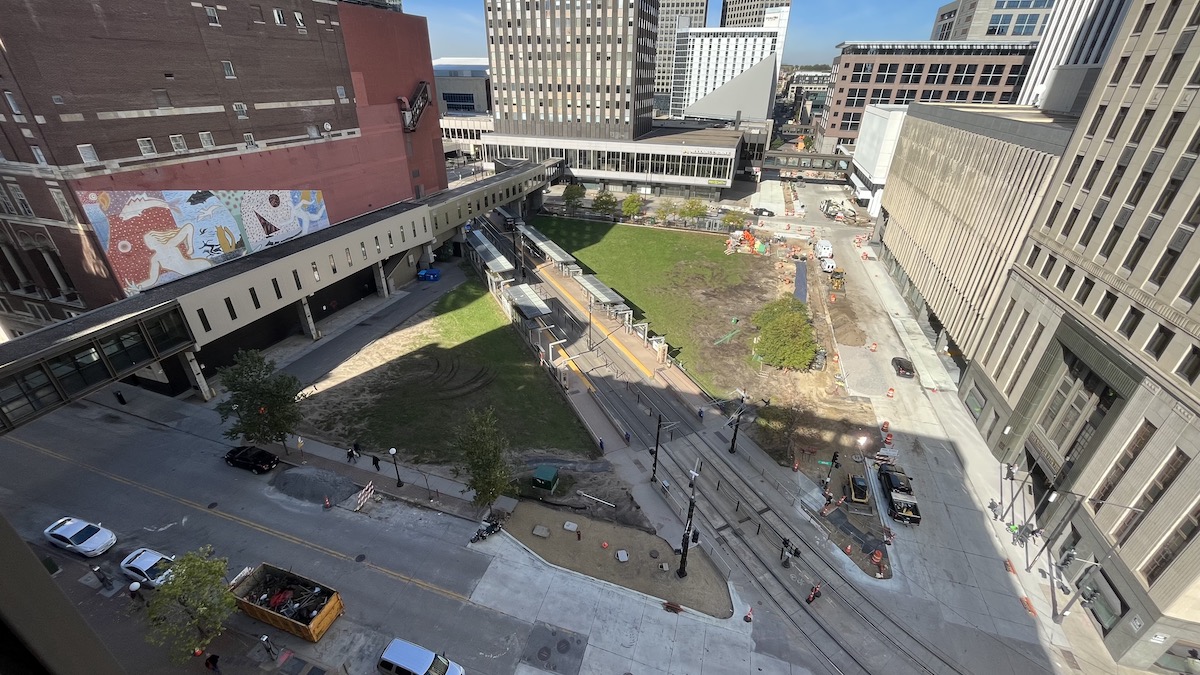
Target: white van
<point>827,265</point>
<point>823,249</point>
<point>401,657</point>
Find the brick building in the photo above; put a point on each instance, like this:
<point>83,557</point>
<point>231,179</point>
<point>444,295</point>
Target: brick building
<point>172,137</point>
<point>900,73</point>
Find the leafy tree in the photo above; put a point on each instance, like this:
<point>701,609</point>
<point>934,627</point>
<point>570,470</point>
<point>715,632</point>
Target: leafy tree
<point>189,611</point>
<point>693,209</point>
<point>605,202</point>
<point>788,342</point>
<point>265,402</point>
<point>667,209</point>
<point>807,142</point>
<point>483,449</point>
<point>632,206</point>
<point>573,196</point>
<point>735,220</point>
<point>775,309</point>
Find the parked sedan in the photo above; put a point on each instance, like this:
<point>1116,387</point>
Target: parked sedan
<point>255,460</point>
<point>148,567</point>
<point>80,536</point>
<point>764,212</point>
<point>904,367</point>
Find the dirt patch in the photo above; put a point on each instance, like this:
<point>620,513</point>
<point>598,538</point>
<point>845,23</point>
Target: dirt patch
<point>598,481</point>
<point>703,590</point>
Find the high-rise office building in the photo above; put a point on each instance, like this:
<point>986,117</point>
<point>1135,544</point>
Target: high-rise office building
<point>1084,369</point>
<point>732,69</point>
<point>1070,53</point>
<point>999,20</point>
<point>572,70</point>
<point>748,13</point>
<point>695,14</point>
<point>187,135</point>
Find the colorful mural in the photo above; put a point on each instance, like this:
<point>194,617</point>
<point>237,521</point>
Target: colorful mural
<point>151,237</point>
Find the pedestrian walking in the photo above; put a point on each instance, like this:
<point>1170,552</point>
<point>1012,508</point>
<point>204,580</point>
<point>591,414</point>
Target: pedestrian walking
<point>700,412</point>
<point>349,454</point>
<point>212,663</point>
<point>135,594</point>
<point>375,461</point>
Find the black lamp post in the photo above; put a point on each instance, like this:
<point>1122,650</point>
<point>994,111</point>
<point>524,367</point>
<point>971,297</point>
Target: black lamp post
<point>737,423</point>
<point>687,529</point>
<point>657,436</point>
<point>392,452</point>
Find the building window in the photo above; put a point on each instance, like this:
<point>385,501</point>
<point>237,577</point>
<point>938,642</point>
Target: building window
<point>341,93</point>
<point>1016,75</point>
<point>230,309</point>
<point>1111,239</point>
<point>87,153</point>
<point>254,297</point>
<point>912,73</point>
<point>1167,197</point>
<point>213,18</point>
<point>887,73</point>
<point>1114,180</point>
<point>999,23</point>
<point>1143,18</point>
<point>1143,123</point>
<point>12,103</point>
<point>1134,256</point>
<point>256,13</point>
<point>203,320</point>
<point>1183,535</point>
<point>850,122</point>
<point>38,155</point>
<point>983,97</point>
<point>1064,278</point>
<point>1130,454</point>
<point>280,17</point>
<point>1159,342</point>
<point>931,95</point>
<point>206,140</point>
<point>1161,483</point>
<point>6,205</point>
<point>146,146</point>
<point>938,73</point>
<point>1033,256</point>
<point>1168,134</point>
<point>1117,122</point>
<point>1139,188</point>
<point>1074,170</point>
<point>880,96</point>
<point>964,73</point>
<point>991,75</point>
<point>227,66</point>
<point>1171,68</point>
<point>905,96</point>
<point>1048,266</point>
<point>1171,255</point>
<point>178,144</point>
<point>1106,305</point>
<point>299,19</point>
<point>1129,325</point>
<point>1070,223</point>
<point>240,110</point>
<point>64,207</point>
<point>862,72</point>
<point>1096,119</point>
<point>1024,360</point>
<point>1092,174</point>
<point>1026,24</point>
<point>249,140</point>
<point>1143,69</point>
<point>1190,293</point>
<point>856,98</point>
<point>1085,289</point>
<point>955,95</point>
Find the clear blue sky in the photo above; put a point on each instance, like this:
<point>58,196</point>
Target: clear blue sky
<point>456,27</point>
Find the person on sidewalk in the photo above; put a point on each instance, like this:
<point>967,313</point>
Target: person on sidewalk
<point>135,594</point>
<point>375,461</point>
<point>211,663</point>
<point>350,456</point>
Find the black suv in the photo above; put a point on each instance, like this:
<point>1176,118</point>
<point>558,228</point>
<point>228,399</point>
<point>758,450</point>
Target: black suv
<point>764,212</point>
<point>903,367</point>
<point>893,479</point>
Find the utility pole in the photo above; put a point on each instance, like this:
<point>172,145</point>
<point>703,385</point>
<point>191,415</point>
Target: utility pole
<point>657,436</point>
<point>687,527</point>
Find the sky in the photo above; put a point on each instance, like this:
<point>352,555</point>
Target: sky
<point>456,27</point>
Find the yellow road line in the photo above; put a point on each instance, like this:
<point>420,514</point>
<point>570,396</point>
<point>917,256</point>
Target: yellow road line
<point>241,521</point>
<point>636,361</point>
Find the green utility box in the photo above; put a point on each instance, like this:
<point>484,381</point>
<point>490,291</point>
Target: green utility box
<point>546,478</point>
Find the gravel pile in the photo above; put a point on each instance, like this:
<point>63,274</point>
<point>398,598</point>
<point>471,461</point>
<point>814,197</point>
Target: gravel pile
<point>311,484</point>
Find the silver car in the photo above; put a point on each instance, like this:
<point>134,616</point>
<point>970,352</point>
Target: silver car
<point>148,567</point>
<point>80,536</point>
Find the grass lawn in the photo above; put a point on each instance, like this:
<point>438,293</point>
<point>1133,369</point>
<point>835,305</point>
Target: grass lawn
<point>476,360</point>
<point>681,282</point>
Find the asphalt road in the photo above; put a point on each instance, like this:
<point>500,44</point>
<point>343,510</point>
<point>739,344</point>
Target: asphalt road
<point>171,491</point>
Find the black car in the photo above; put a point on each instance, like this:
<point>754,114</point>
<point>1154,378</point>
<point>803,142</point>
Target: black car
<point>903,367</point>
<point>255,460</point>
<point>764,212</point>
<point>893,479</point>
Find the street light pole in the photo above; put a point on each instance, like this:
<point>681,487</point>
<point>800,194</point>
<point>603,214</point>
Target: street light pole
<point>737,423</point>
<point>687,527</point>
<point>1053,495</point>
<point>657,436</point>
<point>1059,616</point>
<point>392,452</point>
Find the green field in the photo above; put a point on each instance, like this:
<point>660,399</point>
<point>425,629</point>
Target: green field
<point>681,282</point>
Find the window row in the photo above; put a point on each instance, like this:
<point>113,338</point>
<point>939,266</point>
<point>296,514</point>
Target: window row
<point>989,75</point>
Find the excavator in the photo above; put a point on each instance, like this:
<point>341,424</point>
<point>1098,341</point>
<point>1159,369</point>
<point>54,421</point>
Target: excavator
<point>838,279</point>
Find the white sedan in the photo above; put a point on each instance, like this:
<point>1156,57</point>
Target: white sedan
<point>148,567</point>
<point>80,536</point>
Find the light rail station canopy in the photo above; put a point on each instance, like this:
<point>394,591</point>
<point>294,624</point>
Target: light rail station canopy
<point>490,256</point>
<point>599,292</point>
<point>549,248</point>
<point>527,301</point>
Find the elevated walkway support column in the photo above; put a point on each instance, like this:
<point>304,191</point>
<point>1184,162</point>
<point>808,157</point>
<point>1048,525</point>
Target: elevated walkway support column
<point>382,289</point>
<point>427,256</point>
<point>307,325</point>
<point>196,376</point>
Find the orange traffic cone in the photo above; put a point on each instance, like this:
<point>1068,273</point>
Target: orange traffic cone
<point>849,549</point>
<point>887,440</point>
<point>886,425</point>
<point>749,615</point>
<point>327,504</point>
<point>877,557</point>
<point>891,392</point>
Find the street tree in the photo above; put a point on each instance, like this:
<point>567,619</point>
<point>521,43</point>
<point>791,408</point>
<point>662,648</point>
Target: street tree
<point>667,210</point>
<point>632,206</point>
<point>605,202</point>
<point>189,611</point>
<point>483,455</point>
<point>777,308</point>
<point>735,220</point>
<point>693,209</point>
<point>573,196</point>
<point>788,342</point>
<point>264,403</point>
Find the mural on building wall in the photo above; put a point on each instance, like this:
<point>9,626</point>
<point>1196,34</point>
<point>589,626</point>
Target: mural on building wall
<point>152,237</point>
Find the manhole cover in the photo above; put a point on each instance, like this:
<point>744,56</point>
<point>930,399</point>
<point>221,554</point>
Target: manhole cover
<point>654,553</point>
<point>212,505</point>
<point>543,653</point>
<point>564,646</point>
<point>360,557</point>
